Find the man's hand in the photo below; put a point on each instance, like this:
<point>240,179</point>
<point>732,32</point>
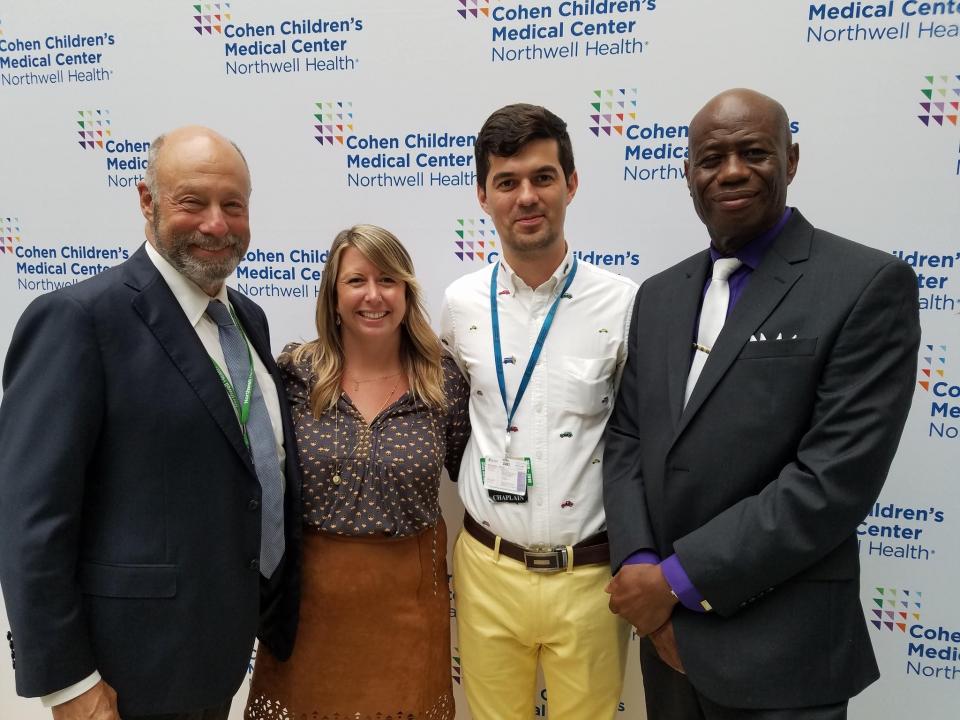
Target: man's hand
<point>665,643</point>
<point>97,703</point>
<point>641,596</point>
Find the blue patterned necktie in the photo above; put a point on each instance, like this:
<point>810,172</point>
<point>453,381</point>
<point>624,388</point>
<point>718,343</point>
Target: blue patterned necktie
<point>262,444</point>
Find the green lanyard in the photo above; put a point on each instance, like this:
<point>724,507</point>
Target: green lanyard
<point>241,409</point>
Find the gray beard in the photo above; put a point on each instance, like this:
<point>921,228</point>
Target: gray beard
<point>205,273</point>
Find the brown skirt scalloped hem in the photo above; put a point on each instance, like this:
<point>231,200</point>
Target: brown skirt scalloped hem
<point>374,636</point>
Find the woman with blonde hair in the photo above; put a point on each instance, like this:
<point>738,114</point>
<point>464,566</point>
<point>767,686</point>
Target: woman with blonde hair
<point>378,413</point>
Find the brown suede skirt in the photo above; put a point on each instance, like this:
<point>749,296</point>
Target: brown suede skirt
<point>374,635</point>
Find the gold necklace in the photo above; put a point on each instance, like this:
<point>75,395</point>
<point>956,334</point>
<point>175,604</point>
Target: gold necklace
<point>362,435</point>
<point>356,382</point>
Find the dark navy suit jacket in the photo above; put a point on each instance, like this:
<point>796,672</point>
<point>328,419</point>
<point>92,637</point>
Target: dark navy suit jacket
<point>129,505</point>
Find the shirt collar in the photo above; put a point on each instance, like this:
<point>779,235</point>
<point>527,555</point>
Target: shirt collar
<point>752,253</point>
<point>559,274</point>
<point>191,298</point>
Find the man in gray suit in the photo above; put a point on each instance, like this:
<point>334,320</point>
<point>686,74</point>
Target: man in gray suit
<point>767,383</point>
<point>149,489</point>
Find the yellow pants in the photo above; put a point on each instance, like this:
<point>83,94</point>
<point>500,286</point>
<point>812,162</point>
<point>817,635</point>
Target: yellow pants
<point>509,619</point>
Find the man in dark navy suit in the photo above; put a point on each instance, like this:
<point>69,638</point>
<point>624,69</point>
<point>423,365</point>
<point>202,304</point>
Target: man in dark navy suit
<point>149,489</point>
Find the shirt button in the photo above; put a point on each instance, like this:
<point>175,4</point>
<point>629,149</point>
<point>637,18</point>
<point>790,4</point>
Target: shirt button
<point>539,502</point>
<point>254,564</point>
<point>253,504</point>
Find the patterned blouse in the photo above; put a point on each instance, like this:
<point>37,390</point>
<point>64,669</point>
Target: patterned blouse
<point>389,477</point>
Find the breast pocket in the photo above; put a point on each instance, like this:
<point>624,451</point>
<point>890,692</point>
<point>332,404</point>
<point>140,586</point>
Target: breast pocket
<point>588,384</point>
<point>778,348</point>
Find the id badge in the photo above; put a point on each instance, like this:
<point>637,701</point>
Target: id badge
<point>506,479</point>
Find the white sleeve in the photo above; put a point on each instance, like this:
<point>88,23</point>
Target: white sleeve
<point>448,334</point>
<point>74,691</point>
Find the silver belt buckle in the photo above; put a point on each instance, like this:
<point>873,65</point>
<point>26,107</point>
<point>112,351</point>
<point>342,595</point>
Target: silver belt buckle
<point>545,559</point>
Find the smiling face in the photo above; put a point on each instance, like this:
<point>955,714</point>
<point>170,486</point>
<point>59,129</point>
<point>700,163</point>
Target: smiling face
<point>526,196</point>
<point>197,206</point>
<point>371,304</point>
<point>741,162</point>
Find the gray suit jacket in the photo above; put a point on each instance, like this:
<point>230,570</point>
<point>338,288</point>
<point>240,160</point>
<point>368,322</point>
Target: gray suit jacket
<point>129,506</point>
<point>760,482</point>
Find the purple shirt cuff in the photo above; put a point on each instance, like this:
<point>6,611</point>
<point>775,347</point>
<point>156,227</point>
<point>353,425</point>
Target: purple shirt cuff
<point>680,583</point>
<point>643,557</point>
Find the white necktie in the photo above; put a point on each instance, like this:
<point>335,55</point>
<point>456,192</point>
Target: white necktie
<point>712,316</point>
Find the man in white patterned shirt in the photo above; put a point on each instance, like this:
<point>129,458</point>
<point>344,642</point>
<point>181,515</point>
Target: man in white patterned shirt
<point>541,337</point>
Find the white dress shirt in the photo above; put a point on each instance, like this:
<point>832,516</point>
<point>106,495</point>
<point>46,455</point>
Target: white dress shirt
<point>560,421</point>
<point>194,302</point>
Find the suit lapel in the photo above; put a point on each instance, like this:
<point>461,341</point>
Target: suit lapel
<point>686,304</point>
<point>780,268</point>
<point>160,311</point>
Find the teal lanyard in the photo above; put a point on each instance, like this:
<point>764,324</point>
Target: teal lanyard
<point>537,347</point>
<point>241,409</point>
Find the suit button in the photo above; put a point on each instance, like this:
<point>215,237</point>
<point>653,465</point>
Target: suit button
<point>253,504</point>
<point>254,564</point>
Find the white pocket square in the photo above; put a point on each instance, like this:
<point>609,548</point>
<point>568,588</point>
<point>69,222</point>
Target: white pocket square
<point>763,338</point>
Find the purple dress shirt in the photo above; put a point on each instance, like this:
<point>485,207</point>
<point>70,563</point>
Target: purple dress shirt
<point>750,255</point>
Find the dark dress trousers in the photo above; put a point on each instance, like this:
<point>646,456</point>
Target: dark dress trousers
<point>760,482</point>
<point>129,505</point>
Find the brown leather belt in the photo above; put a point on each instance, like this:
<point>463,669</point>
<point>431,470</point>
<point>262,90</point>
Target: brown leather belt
<point>592,551</point>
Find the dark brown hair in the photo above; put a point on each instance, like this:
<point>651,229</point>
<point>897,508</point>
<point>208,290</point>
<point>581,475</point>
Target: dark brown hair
<point>511,127</point>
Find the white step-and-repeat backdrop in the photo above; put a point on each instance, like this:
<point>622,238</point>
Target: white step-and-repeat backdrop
<point>366,111</point>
